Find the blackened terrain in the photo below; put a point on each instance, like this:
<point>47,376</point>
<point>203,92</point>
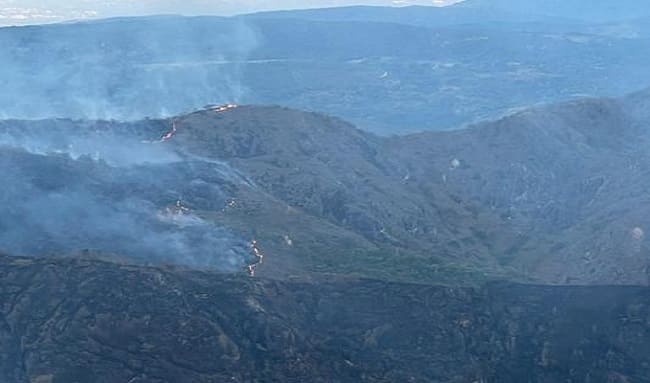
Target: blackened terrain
<point>79,321</point>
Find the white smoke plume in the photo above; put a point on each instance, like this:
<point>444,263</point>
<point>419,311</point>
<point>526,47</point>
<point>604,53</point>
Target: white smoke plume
<point>123,69</point>
<point>68,189</point>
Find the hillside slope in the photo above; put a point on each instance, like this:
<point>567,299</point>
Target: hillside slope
<point>555,194</point>
<point>569,180</point>
<point>78,321</point>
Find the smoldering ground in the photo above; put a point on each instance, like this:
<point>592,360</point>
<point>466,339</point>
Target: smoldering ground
<point>113,194</point>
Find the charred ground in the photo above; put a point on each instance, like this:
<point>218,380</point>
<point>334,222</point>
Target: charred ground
<point>79,321</point>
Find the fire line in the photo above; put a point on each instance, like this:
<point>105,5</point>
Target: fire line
<point>260,258</point>
<point>217,109</point>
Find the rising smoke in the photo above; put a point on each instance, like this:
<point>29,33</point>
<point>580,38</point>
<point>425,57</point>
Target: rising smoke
<point>122,69</point>
<point>69,189</point>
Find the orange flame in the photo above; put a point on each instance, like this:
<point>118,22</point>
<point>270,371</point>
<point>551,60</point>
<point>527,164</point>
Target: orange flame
<point>223,108</point>
<point>169,135</point>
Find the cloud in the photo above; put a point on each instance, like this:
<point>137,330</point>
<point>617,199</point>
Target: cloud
<point>14,12</point>
<point>17,13</point>
<point>10,15</point>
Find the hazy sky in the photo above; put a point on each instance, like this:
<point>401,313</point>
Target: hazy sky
<point>17,12</point>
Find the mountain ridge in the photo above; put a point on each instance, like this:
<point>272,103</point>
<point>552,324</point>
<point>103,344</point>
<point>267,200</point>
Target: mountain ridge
<point>519,198</point>
<point>595,11</point>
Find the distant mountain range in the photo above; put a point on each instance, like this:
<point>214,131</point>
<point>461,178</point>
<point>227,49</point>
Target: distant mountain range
<point>425,16</point>
<point>479,12</point>
<point>586,11</point>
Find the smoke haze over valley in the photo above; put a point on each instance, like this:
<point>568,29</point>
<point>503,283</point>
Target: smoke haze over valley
<point>427,69</point>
